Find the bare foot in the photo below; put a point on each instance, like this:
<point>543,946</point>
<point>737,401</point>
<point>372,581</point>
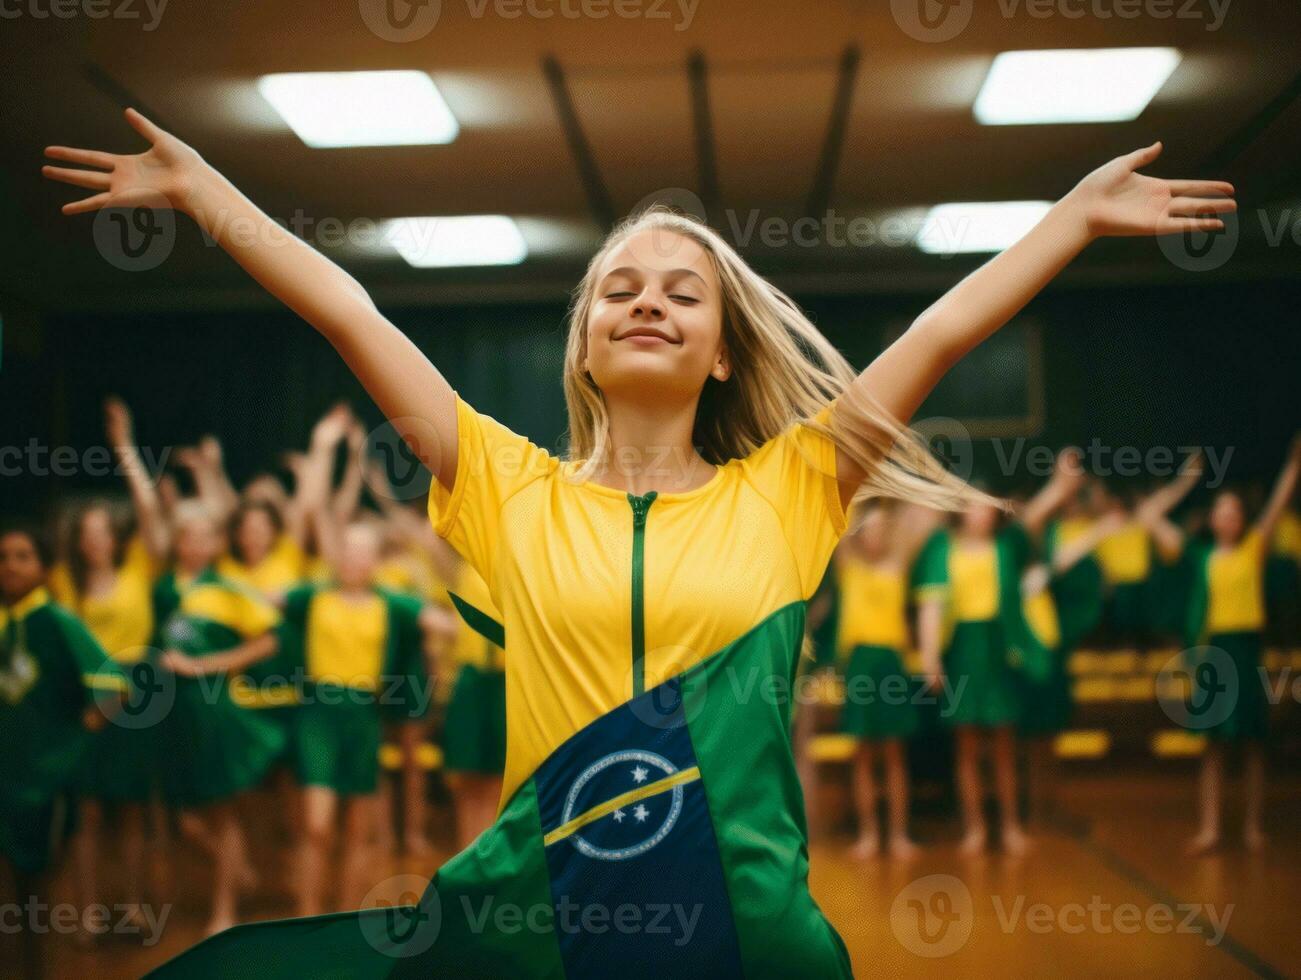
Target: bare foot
<point>865,848</point>
<point>902,848</point>
<point>1254,840</point>
<point>973,842</point>
<point>1015,842</point>
<point>1203,843</point>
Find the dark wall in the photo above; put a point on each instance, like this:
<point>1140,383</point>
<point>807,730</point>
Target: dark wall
<point>1170,366</point>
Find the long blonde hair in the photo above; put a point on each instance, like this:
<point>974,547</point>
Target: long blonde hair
<point>783,371</point>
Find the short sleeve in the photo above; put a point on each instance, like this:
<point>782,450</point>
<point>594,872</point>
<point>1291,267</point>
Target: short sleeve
<point>492,464</point>
<point>253,615</point>
<point>930,572</point>
<point>796,472</point>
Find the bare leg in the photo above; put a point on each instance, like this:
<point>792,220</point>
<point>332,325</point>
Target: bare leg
<point>1210,794</point>
<point>896,779</point>
<point>1013,835</point>
<point>31,955</point>
<point>415,841</point>
<point>318,808</point>
<point>227,847</point>
<point>1254,791</point>
<point>132,816</point>
<point>86,851</point>
<point>968,774</point>
<point>864,787</point>
<point>1042,777</point>
<point>358,849</point>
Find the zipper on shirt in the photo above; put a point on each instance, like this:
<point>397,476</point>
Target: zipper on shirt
<point>640,506</point>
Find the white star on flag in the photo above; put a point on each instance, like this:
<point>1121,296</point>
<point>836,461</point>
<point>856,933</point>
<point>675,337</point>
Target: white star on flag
<point>639,775</point>
<point>641,813</point>
<point>618,816</point>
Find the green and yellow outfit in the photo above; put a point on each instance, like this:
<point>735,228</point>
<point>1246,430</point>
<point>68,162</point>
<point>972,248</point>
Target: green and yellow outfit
<point>474,737</point>
<point>988,638</point>
<point>652,638</point>
<point>871,635</point>
<point>1125,557</point>
<point>269,686</point>
<point>360,655</point>
<point>1060,616</point>
<point>1226,612</point>
<point>50,666</point>
<point>215,747</point>
<point>122,764</point>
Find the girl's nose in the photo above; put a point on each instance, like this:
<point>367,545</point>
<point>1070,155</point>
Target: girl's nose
<point>649,307</point>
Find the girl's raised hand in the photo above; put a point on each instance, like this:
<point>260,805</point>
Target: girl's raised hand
<point>1117,200</point>
<point>161,177</point>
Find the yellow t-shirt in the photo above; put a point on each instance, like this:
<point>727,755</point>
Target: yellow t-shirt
<point>1235,580</point>
<point>973,581</point>
<point>873,600</point>
<point>122,619</point>
<point>558,561</point>
<point>1071,529</point>
<point>1125,555</point>
<point>283,568</point>
<point>346,639</point>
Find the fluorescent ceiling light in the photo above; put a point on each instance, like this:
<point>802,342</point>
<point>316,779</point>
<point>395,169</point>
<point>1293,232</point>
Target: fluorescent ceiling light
<point>992,227</point>
<point>1072,86</point>
<point>473,239</point>
<point>360,108</point>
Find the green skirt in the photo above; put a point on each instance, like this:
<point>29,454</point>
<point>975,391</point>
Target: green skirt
<point>1047,706</point>
<point>121,765</point>
<point>981,685</point>
<point>878,695</point>
<point>474,737</point>
<point>1246,715</point>
<point>336,741</point>
<point>1127,610</point>
<point>215,748</point>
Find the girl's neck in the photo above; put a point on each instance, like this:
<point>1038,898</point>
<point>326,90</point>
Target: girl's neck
<point>651,449</point>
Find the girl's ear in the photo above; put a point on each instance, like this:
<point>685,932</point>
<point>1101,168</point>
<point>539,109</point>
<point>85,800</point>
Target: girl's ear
<point>722,366</point>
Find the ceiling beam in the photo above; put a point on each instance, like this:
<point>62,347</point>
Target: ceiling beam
<point>824,175</point>
<point>703,130</point>
<point>589,175</point>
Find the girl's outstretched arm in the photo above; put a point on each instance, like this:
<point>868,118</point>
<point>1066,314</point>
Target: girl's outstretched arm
<point>170,175</point>
<point>150,519</point>
<point>1114,200</point>
<point>1284,487</point>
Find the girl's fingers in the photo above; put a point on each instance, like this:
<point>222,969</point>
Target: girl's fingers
<point>1178,225</point>
<point>91,158</point>
<point>1144,156</point>
<point>143,126</point>
<point>1199,188</point>
<point>93,203</point>
<point>94,179</point>
<point>1186,206</point>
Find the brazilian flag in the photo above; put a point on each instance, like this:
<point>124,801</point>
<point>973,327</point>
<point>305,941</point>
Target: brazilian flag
<point>665,839</point>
